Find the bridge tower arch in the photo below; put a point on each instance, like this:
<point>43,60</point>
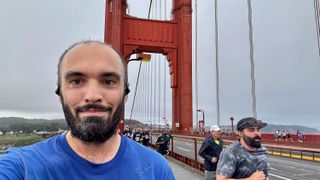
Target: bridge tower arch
<point>173,38</point>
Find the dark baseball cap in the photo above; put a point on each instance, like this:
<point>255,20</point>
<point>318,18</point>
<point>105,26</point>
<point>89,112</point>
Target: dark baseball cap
<point>250,122</point>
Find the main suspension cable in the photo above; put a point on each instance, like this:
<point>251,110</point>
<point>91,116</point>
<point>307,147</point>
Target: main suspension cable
<point>253,89</point>
<point>137,82</point>
<point>316,12</point>
<point>217,63</point>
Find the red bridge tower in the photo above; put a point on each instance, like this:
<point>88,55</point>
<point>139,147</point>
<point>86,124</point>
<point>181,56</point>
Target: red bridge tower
<point>130,35</point>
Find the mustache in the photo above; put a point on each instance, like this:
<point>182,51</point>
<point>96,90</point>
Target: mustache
<point>98,107</point>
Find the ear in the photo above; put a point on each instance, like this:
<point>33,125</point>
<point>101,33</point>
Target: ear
<point>58,90</point>
<point>126,90</point>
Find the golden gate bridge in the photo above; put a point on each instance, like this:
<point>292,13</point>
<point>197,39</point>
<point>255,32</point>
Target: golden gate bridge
<point>161,46</point>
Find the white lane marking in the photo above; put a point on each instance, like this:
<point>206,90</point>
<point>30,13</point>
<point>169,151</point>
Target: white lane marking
<point>183,149</point>
<point>279,176</point>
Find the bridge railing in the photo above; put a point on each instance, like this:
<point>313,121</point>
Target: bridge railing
<point>191,157</point>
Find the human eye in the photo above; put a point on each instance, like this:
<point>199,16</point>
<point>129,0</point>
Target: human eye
<point>75,82</point>
<point>109,82</point>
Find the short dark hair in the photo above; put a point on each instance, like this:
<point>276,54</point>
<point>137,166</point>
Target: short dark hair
<point>58,91</point>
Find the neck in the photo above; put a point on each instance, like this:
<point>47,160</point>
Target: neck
<point>95,152</point>
<point>246,146</point>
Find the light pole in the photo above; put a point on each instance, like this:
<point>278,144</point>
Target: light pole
<point>201,122</point>
<point>231,119</point>
<point>165,122</point>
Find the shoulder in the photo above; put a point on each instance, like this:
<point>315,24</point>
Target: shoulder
<point>234,146</point>
<point>230,153</point>
<point>42,149</point>
<point>208,140</point>
<point>228,161</point>
<point>14,161</point>
<point>11,164</point>
<point>44,146</point>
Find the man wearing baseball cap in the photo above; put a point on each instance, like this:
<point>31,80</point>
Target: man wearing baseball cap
<point>210,150</point>
<point>245,158</point>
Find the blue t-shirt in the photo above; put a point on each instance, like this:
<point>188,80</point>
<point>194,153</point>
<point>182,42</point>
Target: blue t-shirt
<point>54,159</point>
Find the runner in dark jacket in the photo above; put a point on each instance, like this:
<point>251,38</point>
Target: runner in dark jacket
<point>210,150</point>
<point>164,141</point>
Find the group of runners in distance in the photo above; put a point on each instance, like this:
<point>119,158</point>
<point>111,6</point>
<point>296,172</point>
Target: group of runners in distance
<point>144,137</point>
<point>286,136</point>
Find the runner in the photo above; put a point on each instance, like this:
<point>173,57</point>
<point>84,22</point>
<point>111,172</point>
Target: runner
<point>164,141</point>
<point>146,137</point>
<point>137,135</point>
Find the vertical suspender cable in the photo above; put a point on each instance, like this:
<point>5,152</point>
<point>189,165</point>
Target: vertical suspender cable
<point>148,92</point>
<point>165,73</point>
<point>159,68</point>
<point>316,12</point>
<point>196,56</point>
<point>144,94</point>
<point>154,89</point>
<point>154,71</point>
<point>217,62</point>
<point>159,90</point>
<point>151,93</point>
<point>253,90</point>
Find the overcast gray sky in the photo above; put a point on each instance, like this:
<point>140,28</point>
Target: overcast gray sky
<point>34,33</point>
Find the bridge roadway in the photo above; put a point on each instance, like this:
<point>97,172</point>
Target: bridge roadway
<point>281,168</point>
<point>183,171</point>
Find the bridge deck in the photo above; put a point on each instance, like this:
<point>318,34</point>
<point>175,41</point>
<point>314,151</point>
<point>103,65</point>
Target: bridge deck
<point>182,171</point>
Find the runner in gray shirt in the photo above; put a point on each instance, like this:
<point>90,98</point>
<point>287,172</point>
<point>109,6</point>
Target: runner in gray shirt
<point>245,158</point>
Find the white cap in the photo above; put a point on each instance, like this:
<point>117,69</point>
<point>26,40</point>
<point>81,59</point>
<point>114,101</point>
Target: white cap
<point>214,128</point>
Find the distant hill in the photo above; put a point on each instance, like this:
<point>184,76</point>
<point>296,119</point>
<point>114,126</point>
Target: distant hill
<point>18,123</point>
<point>29,125</point>
<point>14,123</point>
<point>8,121</point>
<point>271,128</point>
<point>133,123</point>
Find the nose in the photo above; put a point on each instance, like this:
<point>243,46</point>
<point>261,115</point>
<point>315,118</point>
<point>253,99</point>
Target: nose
<point>93,93</point>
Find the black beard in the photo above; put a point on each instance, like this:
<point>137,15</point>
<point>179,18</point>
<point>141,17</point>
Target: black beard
<point>93,129</point>
<point>252,141</point>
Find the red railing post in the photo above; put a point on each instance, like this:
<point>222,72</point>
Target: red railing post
<point>195,151</point>
<point>172,144</point>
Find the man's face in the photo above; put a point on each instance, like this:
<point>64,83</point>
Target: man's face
<point>252,137</point>
<point>165,132</point>
<point>216,134</point>
<point>92,91</point>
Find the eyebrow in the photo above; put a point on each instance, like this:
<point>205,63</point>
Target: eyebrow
<point>71,74</point>
<point>111,74</point>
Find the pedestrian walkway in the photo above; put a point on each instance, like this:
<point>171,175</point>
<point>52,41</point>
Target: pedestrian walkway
<point>184,172</point>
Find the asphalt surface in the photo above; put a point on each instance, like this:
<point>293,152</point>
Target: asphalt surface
<point>281,168</point>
